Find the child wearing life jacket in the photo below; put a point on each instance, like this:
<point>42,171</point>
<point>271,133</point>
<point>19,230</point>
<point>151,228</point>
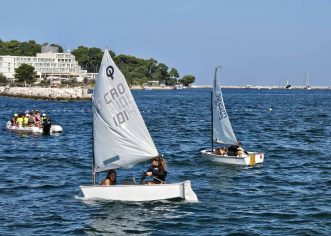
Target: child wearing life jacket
<point>19,120</point>
<point>26,119</point>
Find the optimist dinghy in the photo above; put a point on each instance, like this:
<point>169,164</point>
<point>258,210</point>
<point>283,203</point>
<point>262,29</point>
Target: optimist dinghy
<point>121,140</point>
<point>222,133</point>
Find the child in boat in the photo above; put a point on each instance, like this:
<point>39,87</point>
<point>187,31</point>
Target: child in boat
<point>158,170</point>
<point>43,117</point>
<point>13,119</point>
<point>19,120</point>
<point>37,118</point>
<point>217,151</point>
<point>241,150</point>
<point>110,179</point>
<point>223,151</point>
<point>31,121</point>
<point>26,119</point>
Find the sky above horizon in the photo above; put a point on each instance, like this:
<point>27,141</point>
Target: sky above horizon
<point>257,42</point>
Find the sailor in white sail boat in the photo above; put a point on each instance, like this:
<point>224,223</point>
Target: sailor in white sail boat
<point>110,178</point>
<point>236,150</point>
<point>221,151</point>
<point>158,170</point>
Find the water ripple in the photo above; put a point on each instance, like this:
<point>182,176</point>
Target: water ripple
<point>289,194</point>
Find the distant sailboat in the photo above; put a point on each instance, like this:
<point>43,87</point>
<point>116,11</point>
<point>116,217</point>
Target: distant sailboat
<point>307,87</point>
<point>121,140</point>
<point>288,86</point>
<point>222,133</point>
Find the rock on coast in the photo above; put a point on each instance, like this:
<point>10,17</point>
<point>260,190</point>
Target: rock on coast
<point>76,93</point>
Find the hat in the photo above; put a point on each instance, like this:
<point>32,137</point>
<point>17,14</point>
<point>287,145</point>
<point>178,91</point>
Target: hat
<point>43,114</point>
<point>15,114</point>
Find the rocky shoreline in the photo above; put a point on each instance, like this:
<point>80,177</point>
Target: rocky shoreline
<point>76,93</point>
<point>81,93</point>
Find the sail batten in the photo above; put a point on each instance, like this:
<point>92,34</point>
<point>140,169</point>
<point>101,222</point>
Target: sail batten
<point>121,138</point>
<point>222,129</point>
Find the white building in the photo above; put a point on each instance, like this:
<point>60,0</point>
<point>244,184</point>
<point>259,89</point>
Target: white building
<point>45,64</point>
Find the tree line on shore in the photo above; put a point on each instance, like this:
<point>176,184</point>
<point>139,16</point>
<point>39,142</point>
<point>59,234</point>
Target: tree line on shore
<point>137,71</point>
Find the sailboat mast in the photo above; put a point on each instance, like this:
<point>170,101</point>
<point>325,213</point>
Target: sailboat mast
<point>93,157</point>
<point>212,110</point>
<point>212,121</point>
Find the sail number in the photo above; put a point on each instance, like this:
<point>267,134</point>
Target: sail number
<point>114,93</point>
<point>120,118</point>
<point>221,108</point>
<point>120,103</point>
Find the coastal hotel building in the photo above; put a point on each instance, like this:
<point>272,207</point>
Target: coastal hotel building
<point>48,64</point>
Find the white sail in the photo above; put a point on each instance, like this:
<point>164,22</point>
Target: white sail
<point>121,138</point>
<point>222,129</point>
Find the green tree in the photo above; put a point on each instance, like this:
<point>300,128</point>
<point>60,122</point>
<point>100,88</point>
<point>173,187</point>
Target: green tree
<point>89,58</point>
<point>81,55</point>
<point>25,73</point>
<point>135,70</point>
<point>56,45</point>
<point>173,76</point>
<point>95,57</point>
<point>162,74</point>
<point>151,68</point>
<point>30,48</point>
<point>3,79</point>
<point>187,80</point>
<point>16,48</point>
<point>173,73</point>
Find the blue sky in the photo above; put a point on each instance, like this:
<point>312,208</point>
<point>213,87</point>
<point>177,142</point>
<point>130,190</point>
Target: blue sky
<point>257,42</point>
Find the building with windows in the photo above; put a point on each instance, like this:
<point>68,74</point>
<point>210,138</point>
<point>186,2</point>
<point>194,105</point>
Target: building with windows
<point>45,64</point>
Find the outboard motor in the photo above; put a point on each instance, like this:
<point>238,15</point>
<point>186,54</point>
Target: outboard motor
<point>47,126</point>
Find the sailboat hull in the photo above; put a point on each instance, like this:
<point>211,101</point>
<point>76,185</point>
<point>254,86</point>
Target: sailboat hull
<point>54,129</point>
<point>251,159</point>
<point>139,193</point>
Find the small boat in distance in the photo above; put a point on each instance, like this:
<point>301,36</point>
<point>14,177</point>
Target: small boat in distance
<point>288,86</point>
<point>222,133</point>
<point>121,140</point>
<point>307,86</point>
<point>147,88</point>
<point>178,86</point>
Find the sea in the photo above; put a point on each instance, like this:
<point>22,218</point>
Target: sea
<point>289,194</point>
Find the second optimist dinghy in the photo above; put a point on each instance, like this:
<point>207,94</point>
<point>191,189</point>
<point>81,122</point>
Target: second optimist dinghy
<point>222,133</point>
<point>121,140</point>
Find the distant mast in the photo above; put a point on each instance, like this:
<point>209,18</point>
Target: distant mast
<point>307,81</point>
<point>280,82</point>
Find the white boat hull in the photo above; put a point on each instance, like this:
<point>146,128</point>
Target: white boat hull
<point>139,193</point>
<point>54,129</point>
<point>249,159</point>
